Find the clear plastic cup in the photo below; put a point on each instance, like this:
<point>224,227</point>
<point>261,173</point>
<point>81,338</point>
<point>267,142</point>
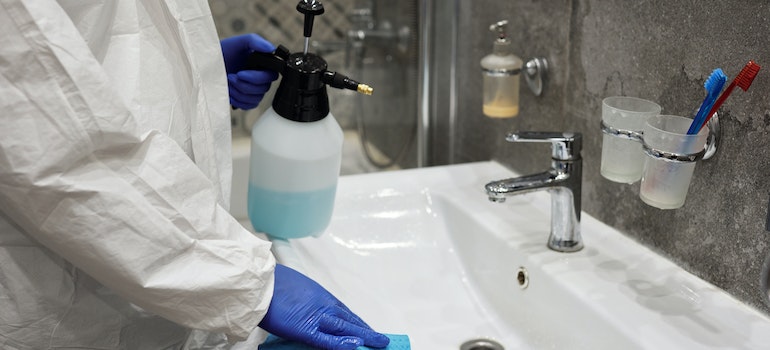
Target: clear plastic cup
<point>666,175</point>
<point>622,158</point>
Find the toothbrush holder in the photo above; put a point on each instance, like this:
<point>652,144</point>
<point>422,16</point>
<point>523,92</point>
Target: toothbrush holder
<point>623,118</point>
<point>669,156</point>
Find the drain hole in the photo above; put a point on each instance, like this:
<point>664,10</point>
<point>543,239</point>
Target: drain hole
<point>481,344</point>
<point>523,277</point>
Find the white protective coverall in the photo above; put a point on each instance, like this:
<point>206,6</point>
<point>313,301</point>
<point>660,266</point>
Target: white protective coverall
<point>115,172</point>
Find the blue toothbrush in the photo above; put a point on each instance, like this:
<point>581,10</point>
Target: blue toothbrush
<point>713,85</point>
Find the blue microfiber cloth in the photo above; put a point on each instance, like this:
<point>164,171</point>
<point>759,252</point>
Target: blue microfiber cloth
<point>397,342</point>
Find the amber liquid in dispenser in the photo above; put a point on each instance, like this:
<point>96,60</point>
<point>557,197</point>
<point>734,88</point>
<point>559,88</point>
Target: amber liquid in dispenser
<point>502,99</point>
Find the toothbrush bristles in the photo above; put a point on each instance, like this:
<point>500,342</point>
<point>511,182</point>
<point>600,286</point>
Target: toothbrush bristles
<point>716,77</point>
<point>743,80</point>
<point>747,75</point>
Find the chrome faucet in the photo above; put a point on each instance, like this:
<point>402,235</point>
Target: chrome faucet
<point>563,181</point>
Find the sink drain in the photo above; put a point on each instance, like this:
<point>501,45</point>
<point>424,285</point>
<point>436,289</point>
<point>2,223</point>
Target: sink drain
<point>481,344</point>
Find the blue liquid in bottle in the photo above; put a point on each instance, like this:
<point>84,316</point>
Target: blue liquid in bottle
<point>290,214</point>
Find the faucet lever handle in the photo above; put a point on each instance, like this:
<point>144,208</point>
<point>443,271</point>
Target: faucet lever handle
<point>565,145</point>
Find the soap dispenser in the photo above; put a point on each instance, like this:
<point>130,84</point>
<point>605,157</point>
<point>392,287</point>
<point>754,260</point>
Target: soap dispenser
<point>296,145</point>
<point>501,70</point>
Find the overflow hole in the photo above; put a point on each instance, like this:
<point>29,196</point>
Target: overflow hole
<point>522,277</point>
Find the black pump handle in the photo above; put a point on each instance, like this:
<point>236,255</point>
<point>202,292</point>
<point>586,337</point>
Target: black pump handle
<point>310,9</point>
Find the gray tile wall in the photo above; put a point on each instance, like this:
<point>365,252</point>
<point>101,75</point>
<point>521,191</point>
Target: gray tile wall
<point>658,50</point>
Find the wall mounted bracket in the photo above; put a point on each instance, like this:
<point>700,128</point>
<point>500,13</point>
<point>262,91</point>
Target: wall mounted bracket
<point>535,74</point>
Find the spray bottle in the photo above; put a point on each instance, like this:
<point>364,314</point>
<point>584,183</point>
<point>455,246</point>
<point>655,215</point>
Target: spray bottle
<point>296,145</point>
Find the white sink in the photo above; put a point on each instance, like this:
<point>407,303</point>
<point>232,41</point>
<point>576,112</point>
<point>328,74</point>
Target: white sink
<point>423,252</point>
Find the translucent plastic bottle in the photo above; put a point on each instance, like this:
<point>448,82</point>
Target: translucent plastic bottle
<point>293,176</point>
<point>296,148</point>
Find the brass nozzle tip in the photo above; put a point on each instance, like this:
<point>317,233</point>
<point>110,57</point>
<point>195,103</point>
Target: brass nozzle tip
<point>365,89</point>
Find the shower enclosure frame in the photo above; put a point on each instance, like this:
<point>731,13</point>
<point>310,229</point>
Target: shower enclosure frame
<point>437,88</point>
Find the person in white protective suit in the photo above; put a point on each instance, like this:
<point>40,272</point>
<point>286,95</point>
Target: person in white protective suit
<point>114,182</point>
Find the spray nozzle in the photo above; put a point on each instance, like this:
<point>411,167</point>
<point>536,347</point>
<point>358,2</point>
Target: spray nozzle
<point>340,81</point>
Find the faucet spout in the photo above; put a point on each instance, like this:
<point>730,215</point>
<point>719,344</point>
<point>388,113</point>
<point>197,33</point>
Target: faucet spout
<point>498,190</point>
<point>563,181</point>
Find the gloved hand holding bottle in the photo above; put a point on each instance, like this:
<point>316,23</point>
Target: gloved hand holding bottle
<point>302,310</point>
<point>246,87</point>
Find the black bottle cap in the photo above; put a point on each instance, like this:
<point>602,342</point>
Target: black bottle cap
<point>302,96</point>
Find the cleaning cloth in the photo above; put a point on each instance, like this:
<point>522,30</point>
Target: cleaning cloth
<point>397,342</point>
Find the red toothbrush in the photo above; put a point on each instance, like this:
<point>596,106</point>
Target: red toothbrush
<point>743,80</point>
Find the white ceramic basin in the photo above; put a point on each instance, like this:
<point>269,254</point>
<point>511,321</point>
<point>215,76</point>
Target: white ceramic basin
<point>423,252</point>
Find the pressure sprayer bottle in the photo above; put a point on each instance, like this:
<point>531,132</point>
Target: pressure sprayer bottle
<point>296,145</point>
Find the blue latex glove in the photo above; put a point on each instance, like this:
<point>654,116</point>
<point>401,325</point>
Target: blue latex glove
<point>247,87</point>
<point>302,310</point>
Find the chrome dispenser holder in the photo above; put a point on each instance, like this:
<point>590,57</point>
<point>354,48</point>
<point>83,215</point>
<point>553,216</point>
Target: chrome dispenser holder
<point>535,74</point>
